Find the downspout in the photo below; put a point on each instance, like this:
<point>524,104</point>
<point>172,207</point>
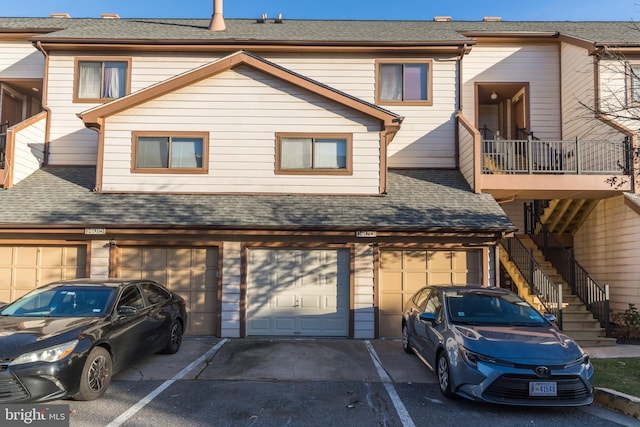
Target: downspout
<point>463,49</point>
<point>44,101</point>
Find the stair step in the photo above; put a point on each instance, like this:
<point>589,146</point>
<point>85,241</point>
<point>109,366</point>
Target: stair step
<point>596,342</point>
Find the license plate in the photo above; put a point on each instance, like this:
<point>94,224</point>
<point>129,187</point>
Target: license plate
<point>543,388</point>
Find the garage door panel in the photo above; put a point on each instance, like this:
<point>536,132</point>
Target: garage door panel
<point>189,272</point>
<point>411,270</point>
<point>306,292</point>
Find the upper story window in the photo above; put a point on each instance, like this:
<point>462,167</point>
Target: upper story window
<point>634,82</point>
<point>313,154</point>
<point>157,152</point>
<point>404,82</point>
<point>101,79</point>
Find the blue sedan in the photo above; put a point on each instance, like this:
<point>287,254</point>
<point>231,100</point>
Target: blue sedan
<point>488,344</point>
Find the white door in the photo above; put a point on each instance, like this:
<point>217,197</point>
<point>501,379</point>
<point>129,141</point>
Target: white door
<point>298,292</point>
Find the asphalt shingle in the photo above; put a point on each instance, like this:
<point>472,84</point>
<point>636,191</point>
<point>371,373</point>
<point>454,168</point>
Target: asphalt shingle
<point>419,200</point>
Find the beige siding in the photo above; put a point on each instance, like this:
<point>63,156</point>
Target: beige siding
<point>242,109</point>
<point>467,155</point>
<point>20,60</point>
<point>536,64</point>
<point>515,212</point>
<point>427,137</point>
<point>363,304</point>
<point>578,91</point>
<point>607,246</point>
<point>29,150</point>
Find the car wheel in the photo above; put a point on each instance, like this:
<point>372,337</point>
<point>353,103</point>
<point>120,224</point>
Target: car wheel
<point>175,338</point>
<point>444,375</point>
<point>96,375</point>
<point>405,339</point>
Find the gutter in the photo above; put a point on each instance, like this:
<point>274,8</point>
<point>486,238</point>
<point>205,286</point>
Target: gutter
<point>44,102</point>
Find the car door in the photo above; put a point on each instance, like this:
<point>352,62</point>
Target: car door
<point>429,332</point>
<point>159,316</point>
<point>416,327</point>
<point>129,326</point>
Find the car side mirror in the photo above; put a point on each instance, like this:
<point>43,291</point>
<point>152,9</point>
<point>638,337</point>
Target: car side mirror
<point>127,310</point>
<point>428,317</point>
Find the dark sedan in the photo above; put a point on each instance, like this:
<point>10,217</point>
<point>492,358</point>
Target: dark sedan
<point>66,339</point>
<point>488,344</point>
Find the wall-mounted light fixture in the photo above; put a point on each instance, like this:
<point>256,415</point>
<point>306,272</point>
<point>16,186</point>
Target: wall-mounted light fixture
<point>494,95</point>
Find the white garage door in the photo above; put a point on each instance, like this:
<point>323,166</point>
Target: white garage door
<point>298,292</point>
<point>190,272</point>
<point>23,268</point>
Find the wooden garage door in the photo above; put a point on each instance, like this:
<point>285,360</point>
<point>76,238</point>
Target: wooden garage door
<point>189,272</point>
<point>298,292</point>
<point>23,268</point>
<point>402,273</point>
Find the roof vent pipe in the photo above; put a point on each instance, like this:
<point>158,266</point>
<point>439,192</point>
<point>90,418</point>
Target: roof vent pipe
<point>217,20</point>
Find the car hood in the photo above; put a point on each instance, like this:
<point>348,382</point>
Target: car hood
<point>519,344</point>
<point>19,335</point>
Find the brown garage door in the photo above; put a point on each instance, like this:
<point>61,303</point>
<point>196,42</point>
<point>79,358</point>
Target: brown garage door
<point>23,268</point>
<point>402,273</point>
<point>190,272</point>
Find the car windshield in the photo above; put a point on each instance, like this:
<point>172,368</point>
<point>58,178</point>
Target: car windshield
<point>64,301</point>
<point>476,308</point>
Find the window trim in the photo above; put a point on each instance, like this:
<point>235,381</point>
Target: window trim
<point>348,170</point>
<point>160,134</point>
<point>630,64</point>
<point>76,77</point>
<point>403,61</point>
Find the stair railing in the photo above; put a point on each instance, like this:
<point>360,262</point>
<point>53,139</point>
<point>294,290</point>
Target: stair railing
<point>594,296</point>
<point>540,285</point>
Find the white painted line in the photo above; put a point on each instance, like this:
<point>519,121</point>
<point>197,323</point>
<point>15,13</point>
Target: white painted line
<point>149,397</point>
<point>405,418</point>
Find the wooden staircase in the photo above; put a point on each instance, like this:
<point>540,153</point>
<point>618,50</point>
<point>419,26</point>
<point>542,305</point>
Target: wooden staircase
<point>577,321</point>
<point>566,216</point>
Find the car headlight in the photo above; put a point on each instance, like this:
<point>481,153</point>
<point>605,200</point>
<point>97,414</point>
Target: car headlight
<point>51,354</point>
<point>472,358</point>
<point>582,360</point>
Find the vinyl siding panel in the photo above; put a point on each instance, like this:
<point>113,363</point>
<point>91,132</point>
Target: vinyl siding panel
<point>29,150</point>
<point>536,64</point>
<point>20,60</point>
<point>607,246</point>
<point>578,92</point>
<point>255,107</point>
<point>467,155</point>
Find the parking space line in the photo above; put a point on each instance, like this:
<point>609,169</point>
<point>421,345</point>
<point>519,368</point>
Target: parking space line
<point>149,397</point>
<point>401,410</point>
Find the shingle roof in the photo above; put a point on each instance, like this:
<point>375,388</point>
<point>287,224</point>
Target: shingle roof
<point>311,31</point>
<point>418,200</point>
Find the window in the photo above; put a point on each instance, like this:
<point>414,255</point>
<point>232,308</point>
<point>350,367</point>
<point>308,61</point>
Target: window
<point>101,80</point>
<point>404,82</point>
<point>634,85</point>
<point>154,294</point>
<point>308,154</point>
<point>131,297</point>
<point>184,152</point>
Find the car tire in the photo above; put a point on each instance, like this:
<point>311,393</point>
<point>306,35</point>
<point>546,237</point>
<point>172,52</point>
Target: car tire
<point>405,339</point>
<point>96,375</point>
<point>444,375</point>
<point>175,338</point>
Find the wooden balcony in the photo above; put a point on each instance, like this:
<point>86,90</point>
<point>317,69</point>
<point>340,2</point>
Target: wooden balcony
<point>545,169</point>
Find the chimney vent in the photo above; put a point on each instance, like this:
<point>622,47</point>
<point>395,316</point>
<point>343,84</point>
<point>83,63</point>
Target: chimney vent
<point>492,19</point>
<point>262,19</point>
<point>60,15</point>
<point>278,20</point>
<point>442,18</point>
<point>110,16</point>
<point>217,20</point>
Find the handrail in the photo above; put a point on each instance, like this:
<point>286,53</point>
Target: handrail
<point>540,285</point>
<point>591,293</point>
<point>536,156</point>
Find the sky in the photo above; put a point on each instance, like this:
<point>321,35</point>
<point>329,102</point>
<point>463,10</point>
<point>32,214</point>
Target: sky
<point>461,10</point>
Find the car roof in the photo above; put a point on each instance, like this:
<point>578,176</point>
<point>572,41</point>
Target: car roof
<point>110,283</point>
<point>472,289</point>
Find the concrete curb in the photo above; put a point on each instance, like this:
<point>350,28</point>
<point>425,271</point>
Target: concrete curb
<point>624,403</point>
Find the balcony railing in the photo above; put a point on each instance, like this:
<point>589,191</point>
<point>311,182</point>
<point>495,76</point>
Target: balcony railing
<point>3,143</point>
<point>535,156</point>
